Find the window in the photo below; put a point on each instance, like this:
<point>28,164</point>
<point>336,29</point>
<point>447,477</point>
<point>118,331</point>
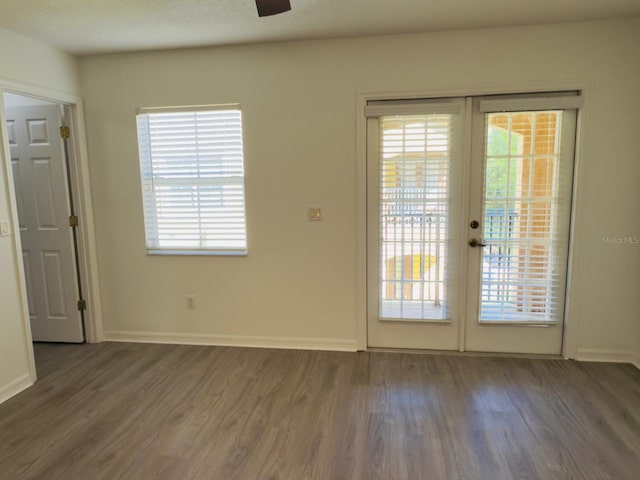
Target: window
<point>414,202</point>
<point>526,217</point>
<point>191,165</point>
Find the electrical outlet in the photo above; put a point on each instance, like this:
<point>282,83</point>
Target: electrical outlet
<point>191,302</point>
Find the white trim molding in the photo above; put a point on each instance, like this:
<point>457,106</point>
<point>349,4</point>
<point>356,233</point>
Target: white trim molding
<point>15,387</point>
<point>81,187</point>
<point>608,355</point>
<point>328,344</point>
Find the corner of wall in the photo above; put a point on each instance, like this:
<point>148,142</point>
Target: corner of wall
<point>15,387</point>
<point>38,64</point>
<point>608,355</point>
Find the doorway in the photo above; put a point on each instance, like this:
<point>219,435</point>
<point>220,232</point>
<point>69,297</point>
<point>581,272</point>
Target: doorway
<point>468,222</point>
<point>37,140</point>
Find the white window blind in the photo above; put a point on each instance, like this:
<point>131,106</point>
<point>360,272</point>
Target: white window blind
<point>191,164</point>
<point>418,154</point>
<point>526,209</point>
<point>414,215</point>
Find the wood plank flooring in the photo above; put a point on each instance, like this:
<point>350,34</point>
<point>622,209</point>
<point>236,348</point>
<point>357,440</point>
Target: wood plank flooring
<point>126,411</point>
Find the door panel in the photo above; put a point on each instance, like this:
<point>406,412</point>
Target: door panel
<point>28,274</point>
<point>43,195</point>
<point>414,178</point>
<point>54,285</point>
<point>19,193</point>
<point>40,179</point>
<point>11,133</point>
<point>38,131</point>
<point>521,194</point>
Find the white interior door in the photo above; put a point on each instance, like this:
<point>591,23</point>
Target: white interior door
<point>40,177</point>
<point>469,252</point>
<point>414,178</point>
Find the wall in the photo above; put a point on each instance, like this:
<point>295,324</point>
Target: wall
<point>297,286</point>
<point>23,62</point>
<point>636,359</point>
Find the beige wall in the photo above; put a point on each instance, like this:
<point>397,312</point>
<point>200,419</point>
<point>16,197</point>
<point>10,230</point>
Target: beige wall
<point>34,65</point>
<point>299,105</point>
<point>637,352</point>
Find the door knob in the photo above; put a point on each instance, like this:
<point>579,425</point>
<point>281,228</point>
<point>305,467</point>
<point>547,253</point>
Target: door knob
<point>474,242</point>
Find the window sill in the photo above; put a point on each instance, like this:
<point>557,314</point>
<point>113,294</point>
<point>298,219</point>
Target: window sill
<point>198,253</point>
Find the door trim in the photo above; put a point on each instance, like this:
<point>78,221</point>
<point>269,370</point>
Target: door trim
<point>574,268</point>
<point>81,189</point>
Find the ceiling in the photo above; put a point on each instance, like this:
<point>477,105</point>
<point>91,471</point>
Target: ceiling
<point>83,27</point>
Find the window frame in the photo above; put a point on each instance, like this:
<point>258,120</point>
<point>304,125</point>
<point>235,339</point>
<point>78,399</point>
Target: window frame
<point>150,209</point>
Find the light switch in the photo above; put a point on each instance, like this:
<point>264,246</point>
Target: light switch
<point>5,231</point>
<point>314,214</point>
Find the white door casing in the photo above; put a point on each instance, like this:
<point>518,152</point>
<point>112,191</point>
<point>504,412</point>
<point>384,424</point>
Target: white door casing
<point>42,199</point>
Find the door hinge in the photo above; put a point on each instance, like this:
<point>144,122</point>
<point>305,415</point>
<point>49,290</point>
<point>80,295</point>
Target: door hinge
<point>64,132</point>
<point>73,221</point>
<point>82,305</point>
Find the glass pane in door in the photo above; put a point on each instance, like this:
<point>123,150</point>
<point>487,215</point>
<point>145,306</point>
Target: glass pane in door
<point>414,206</point>
<point>525,219</point>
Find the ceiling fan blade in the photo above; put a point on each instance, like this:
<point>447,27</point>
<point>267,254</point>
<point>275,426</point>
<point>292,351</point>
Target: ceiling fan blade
<point>272,7</point>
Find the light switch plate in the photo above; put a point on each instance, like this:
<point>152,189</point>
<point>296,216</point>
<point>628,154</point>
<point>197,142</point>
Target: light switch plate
<point>314,214</point>
<point>5,231</point>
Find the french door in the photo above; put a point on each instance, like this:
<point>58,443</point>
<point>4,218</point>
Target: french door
<point>414,176</point>
<point>468,218</point>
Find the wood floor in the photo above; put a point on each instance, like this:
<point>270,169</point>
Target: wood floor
<point>125,411</point>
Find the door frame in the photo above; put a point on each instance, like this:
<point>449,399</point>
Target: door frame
<point>573,289</point>
<point>83,203</point>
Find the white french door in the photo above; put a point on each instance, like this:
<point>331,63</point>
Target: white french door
<point>520,196</point>
<point>414,211</point>
<point>468,251</point>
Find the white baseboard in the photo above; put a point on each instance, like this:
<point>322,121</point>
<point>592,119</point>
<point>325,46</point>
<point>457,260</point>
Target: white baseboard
<point>606,355</point>
<point>15,387</point>
<point>330,344</point>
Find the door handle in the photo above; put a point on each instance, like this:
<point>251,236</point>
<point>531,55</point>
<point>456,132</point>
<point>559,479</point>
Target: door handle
<point>474,242</point>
